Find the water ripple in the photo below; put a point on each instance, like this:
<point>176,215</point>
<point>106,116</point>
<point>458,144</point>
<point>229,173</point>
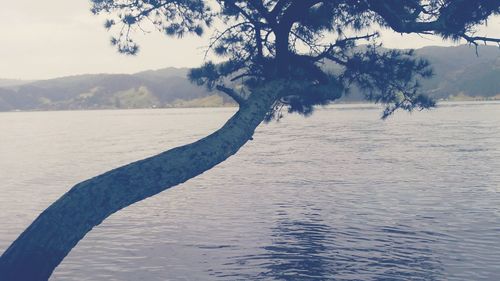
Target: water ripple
<point>338,196</point>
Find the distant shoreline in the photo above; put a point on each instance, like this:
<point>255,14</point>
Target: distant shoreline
<point>333,105</point>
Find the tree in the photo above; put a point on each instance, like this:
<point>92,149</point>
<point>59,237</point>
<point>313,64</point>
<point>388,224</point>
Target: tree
<point>278,55</point>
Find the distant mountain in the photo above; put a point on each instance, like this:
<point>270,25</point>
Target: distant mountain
<point>13,82</point>
<point>459,71</point>
<point>158,88</point>
<point>459,74</point>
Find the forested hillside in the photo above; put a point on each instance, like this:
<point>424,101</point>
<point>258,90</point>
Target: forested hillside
<point>459,74</point>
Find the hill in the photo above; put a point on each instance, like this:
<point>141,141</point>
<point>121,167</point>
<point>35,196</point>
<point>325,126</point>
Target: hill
<point>459,71</point>
<point>13,82</point>
<point>459,74</point>
<point>98,91</point>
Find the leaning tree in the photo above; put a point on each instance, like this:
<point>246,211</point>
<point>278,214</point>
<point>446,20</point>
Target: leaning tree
<point>276,55</point>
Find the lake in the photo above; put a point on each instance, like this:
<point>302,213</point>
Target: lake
<point>341,195</point>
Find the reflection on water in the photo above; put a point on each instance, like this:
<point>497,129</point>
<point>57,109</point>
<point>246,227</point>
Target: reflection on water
<point>300,250</point>
<point>338,196</point>
<point>309,249</point>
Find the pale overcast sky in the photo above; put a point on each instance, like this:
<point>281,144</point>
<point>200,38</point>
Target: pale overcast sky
<point>53,38</point>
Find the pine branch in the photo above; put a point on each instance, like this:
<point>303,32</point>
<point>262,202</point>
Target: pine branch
<point>230,92</point>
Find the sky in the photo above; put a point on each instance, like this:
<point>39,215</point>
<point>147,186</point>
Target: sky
<point>54,38</point>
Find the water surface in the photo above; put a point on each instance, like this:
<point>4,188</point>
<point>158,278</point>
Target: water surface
<point>341,195</point>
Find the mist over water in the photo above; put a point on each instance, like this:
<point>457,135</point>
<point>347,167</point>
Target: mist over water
<point>341,195</point>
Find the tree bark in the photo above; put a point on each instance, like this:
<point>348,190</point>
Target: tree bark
<point>43,245</point>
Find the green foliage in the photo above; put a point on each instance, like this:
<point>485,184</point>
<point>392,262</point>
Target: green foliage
<point>173,17</point>
<point>289,41</point>
<point>389,77</point>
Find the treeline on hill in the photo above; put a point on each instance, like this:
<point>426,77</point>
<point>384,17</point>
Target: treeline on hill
<point>459,74</point>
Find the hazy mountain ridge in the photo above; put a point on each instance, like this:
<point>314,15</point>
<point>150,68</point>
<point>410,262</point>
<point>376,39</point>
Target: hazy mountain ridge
<point>159,88</point>
<point>13,82</point>
<point>459,72</point>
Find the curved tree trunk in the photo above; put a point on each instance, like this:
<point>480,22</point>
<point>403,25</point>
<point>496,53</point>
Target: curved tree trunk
<point>44,244</point>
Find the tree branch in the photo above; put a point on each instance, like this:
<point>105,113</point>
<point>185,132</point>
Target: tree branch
<point>327,53</point>
<point>473,39</point>
<point>445,24</point>
<point>230,92</point>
